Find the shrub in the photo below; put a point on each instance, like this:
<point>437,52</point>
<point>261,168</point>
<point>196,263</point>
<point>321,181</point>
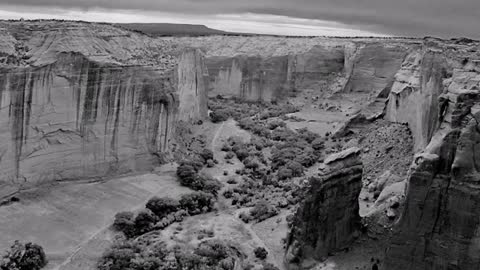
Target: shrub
<point>245,217</point>
<point>27,256</point>
<point>318,144</point>
<point>229,155</point>
<point>228,193</point>
<point>186,173</point>
<point>251,163</point>
<point>219,115</point>
<point>125,222</point>
<point>269,266</point>
<point>275,124</point>
<point>241,154</point>
<point>296,168</point>
<point>118,257</point>
<point>162,206</point>
<point>206,154</point>
<point>134,256</point>
<point>260,253</point>
<point>210,163</point>
<point>210,185</point>
<point>144,221</point>
<point>197,202</point>
<point>284,173</point>
<point>262,210</point>
<point>307,135</point>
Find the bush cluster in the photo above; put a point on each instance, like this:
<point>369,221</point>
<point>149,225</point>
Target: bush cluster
<point>21,256</point>
<point>189,176</point>
<point>222,109</point>
<point>161,212</point>
<point>260,253</point>
<point>143,255</point>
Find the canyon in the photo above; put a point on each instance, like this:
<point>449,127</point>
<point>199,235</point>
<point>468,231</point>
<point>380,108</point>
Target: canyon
<point>88,102</point>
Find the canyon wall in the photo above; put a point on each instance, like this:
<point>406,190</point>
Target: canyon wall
<point>371,67</point>
<point>251,78</point>
<point>257,78</point>
<point>328,219</point>
<point>415,93</point>
<point>437,93</point>
<point>69,114</point>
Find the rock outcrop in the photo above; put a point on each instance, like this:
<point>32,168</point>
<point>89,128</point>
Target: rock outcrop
<point>439,228</point>
<point>192,86</point>
<point>67,113</point>
<point>415,92</point>
<point>328,219</point>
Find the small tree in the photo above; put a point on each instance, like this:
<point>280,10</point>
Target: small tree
<point>162,206</point>
<point>27,256</point>
<point>206,154</point>
<point>144,222</point>
<point>261,253</point>
<point>197,202</point>
<point>125,222</point>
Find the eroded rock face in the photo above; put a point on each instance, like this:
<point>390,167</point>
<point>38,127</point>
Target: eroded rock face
<point>372,67</point>
<point>328,219</point>
<point>77,119</point>
<point>68,113</point>
<point>192,86</point>
<point>257,78</point>
<point>249,77</point>
<point>415,92</point>
<point>439,228</point>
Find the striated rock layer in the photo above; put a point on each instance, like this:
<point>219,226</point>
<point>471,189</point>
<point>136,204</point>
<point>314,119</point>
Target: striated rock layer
<point>437,93</point>
<point>368,68</point>
<point>328,219</point>
<point>66,114</point>
<point>257,78</point>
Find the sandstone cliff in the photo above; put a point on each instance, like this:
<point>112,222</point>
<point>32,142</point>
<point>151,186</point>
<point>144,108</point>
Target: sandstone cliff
<point>80,101</point>
<point>269,68</point>
<point>440,99</point>
<point>369,70</point>
<point>328,219</point>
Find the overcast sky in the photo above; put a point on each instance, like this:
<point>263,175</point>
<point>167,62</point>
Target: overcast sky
<point>444,18</point>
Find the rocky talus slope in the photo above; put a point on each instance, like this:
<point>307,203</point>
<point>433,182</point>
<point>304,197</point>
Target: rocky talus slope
<point>83,101</point>
<point>328,219</point>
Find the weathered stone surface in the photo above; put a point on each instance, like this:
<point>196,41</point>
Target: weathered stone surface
<point>192,86</point>
<point>439,228</point>
<point>68,112</point>
<point>373,67</point>
<point>415,93</point>
<point>328,219</point>
<point>249,77</point>
<point>257,78</point>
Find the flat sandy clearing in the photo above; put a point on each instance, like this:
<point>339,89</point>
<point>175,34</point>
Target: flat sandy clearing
<point>66,217</point>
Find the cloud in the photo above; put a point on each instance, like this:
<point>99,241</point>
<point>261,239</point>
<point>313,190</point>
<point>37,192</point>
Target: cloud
<point>444,18</point>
